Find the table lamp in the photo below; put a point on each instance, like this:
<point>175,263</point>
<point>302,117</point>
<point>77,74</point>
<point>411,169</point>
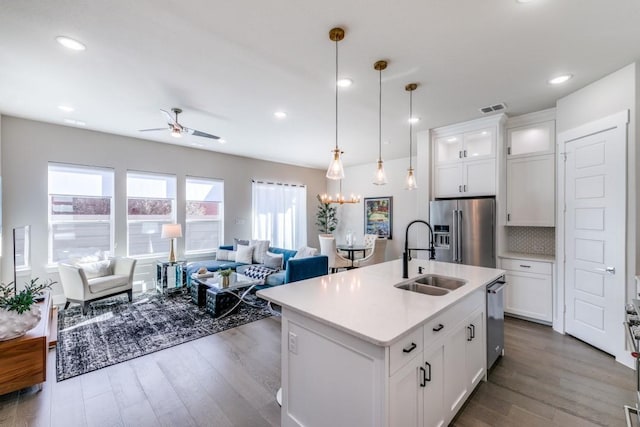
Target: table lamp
<point>171,231</point>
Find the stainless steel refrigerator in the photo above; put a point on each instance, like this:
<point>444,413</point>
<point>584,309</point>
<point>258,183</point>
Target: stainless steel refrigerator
<point>464,231</point>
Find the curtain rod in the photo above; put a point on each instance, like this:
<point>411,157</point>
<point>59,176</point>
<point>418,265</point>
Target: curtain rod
<point>277,183</point>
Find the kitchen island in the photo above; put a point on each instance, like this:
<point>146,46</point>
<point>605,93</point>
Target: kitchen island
<point>357,351</point>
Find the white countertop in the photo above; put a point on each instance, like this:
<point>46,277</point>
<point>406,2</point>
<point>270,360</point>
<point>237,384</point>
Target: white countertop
<point>363,301</point>
<point>528,257</point>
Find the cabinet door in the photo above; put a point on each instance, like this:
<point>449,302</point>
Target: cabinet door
<point>455,361</point>
<point>533,139</point>
<point>479,178</point>
<point>448,181</point>
<point>531,191</point>
<point>479,144</point>
<point>529,295</point>
<point>476,362</point>
<point>405,395</point>
<point>434,415</point>
<point>448,149</point>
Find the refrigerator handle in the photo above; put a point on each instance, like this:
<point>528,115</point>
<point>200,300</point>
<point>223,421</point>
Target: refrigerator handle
<point>459,237</point>
<point>454,238</point>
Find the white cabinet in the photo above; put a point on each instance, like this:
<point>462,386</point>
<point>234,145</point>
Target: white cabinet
<point>529,289</point>
<point>531,175</point>
<point>430,389</point>
<point>464,163</point>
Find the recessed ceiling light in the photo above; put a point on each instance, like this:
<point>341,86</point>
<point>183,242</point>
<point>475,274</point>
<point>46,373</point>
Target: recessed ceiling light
<point>66,108</point>
<point>75,122</point>
<point>70,43</point>
<point>484,132</point>
<point>345,82</point>
<point>280,115</point>
<point>560,79</point>
<point>414,119</point>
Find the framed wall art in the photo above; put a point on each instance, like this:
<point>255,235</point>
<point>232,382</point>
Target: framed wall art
<point>378,216</point>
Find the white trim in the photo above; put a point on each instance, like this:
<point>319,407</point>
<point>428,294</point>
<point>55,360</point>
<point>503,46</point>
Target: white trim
<point>613,121</point>
<point>469,126</point>
<point>531,118</point>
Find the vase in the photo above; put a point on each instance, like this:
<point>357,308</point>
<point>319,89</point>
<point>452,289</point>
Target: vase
<point>14,324</point>
<point>225,281</point>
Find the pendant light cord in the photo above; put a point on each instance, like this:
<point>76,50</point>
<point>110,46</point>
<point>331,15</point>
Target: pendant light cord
<point>380,116</point>
<point>410,127</point>
<point>336,94</point>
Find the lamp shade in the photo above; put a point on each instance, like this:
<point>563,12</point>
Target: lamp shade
<point>171,231</point>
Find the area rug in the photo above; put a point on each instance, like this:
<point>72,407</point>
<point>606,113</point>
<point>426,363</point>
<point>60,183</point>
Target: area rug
<point>116,330</point>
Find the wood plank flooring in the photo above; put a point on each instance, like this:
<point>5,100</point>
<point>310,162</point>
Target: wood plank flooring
<point>230,379</point>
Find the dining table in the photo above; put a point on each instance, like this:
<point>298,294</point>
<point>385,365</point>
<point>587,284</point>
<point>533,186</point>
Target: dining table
<point>351,251</point>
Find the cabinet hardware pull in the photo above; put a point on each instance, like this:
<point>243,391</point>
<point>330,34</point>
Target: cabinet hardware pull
<point>422,376</point>
<point>473,331</point>
<point>465,188</point>
<point>459,188</point>
<point>459,154</point>
<point>428,366</point>
<point>508,217</point>
<point>410,348</point>
<point>438,328</point>
<point>509,150</point>
<point>465,153</point>
<point>525,266</point>
<point>469,337</point>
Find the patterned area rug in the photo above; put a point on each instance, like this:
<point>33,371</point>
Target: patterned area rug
<point>115,330</point>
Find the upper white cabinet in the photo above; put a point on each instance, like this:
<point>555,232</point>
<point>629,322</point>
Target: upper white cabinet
<point>531,171</point>
<point>464,158</point>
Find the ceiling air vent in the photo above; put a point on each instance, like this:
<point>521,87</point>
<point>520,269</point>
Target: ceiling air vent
<point>493,108</point>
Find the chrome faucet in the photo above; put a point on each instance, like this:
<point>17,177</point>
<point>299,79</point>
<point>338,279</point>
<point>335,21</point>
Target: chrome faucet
<point>406,256</point>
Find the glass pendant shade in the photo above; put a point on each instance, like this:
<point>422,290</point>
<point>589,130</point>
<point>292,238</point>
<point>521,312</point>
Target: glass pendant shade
<point>335,171</point>
<point>411,180</point>
<point>381,176</point>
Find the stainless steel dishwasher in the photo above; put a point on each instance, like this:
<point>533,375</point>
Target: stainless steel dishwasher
<point>495,321</point>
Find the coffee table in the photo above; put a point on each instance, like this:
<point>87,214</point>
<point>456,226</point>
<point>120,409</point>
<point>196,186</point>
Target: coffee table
<point>221,301</point>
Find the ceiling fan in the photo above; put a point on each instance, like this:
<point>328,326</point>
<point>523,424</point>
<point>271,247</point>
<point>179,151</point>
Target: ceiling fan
<point>176,128</point>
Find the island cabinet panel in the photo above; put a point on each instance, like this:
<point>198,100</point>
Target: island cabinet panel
<point>422,379</point>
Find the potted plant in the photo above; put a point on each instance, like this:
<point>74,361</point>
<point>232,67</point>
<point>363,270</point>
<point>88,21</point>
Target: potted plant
<point>224,274</point>
<point>326,218</point>
<point>18,311</point>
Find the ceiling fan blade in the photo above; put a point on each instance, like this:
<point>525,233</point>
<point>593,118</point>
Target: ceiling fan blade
<point>151,130</point>
<point>202,134</point>
<point>168,116</point>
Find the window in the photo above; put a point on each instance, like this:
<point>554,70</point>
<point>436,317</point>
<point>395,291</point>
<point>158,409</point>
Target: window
<point>204,214</point>
<point>151,202</point>
<point>80,211</point>
<point>280,214</point>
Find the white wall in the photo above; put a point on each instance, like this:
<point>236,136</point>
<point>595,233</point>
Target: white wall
<point>27,147</point>
<point>614,93</point>
<point>359,180</point>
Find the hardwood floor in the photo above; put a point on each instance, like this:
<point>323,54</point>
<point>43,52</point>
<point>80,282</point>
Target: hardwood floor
<point>230,379</point>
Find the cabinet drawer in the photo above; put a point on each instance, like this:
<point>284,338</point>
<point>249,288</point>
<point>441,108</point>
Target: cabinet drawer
<point>442,324</point>
<point>405,350</point>
<point>526,266</point>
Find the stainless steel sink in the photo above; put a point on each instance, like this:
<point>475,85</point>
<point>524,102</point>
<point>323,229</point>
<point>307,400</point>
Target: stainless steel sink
<point>445,282</point>
<point>423,289</point>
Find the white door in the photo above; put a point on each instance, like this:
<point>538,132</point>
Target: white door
<point>595,194</point>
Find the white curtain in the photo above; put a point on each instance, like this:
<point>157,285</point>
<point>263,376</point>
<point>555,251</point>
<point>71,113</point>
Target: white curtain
<point>280,214</point>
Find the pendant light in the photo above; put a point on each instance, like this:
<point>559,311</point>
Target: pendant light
<point>381,177</point>
<point>411,179</point>
<point>336,171</point>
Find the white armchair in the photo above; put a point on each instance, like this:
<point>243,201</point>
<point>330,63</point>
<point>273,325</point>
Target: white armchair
<point>328,248</point>
<point>87,282</point>
<point>376,256</point>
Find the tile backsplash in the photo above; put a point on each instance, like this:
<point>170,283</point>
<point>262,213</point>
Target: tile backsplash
<point>531,240</point>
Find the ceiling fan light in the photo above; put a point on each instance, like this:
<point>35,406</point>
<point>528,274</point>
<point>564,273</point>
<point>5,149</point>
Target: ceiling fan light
<point>381,176</point>
<point>335,170</point>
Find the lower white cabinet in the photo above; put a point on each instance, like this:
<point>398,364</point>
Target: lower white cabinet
<point>529,291</point>
<point>431,389</point>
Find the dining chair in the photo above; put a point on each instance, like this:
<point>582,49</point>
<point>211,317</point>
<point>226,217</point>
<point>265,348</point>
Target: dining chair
<point>376,256</point>
<point>328,248</point>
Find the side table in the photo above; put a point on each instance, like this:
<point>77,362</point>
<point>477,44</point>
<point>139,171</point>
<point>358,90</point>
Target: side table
<point>170,276</point>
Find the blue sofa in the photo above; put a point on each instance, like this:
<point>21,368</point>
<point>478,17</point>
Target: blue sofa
<point>295,269</point>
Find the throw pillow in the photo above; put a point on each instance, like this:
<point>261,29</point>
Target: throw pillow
<point>305,252</point>
<point>274,261</point>
<point>261,248</point>
<point>237,242</point>
<point>223,255</point>
<point>96,269</point>
<point>244,254</point>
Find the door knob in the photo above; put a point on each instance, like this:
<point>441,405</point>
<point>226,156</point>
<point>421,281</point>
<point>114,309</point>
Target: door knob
<point>610,270</point>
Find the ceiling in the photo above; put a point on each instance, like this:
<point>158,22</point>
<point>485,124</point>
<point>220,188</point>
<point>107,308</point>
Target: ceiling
<point>231,64</point>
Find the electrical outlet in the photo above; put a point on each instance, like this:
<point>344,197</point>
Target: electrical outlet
<point>293,343</point>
